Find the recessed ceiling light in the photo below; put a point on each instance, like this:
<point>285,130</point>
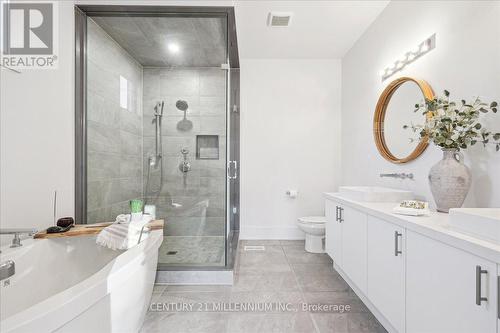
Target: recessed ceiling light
<point>173,47</point>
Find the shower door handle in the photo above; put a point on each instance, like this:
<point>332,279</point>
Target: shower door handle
<point>235,174</point>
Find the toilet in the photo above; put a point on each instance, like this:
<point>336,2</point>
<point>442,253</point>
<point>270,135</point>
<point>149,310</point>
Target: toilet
<point>314,228</point>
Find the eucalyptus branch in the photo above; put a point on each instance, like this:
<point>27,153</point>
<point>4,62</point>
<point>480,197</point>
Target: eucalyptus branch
<point>455,127</point>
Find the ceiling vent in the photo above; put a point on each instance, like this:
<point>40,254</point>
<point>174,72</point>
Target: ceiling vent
<point>276,19</point>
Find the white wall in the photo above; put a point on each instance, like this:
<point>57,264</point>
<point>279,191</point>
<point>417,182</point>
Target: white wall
<point>465,62</point>
<point>37,137</point>
<point>290,131</point>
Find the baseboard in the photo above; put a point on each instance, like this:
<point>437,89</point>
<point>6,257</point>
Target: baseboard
<point>257,232</point>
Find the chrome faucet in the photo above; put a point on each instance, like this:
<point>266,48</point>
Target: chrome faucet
<point>7,269</point>
<point>16,241</point>
<point>397,175</point>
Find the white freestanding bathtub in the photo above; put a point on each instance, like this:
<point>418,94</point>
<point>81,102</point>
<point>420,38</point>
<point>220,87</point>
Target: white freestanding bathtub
<point>73,285</point>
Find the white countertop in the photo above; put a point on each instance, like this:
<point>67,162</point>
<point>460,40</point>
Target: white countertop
<point>435,226</point>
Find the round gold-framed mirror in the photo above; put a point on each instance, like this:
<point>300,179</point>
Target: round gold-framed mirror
<point>390,118</point>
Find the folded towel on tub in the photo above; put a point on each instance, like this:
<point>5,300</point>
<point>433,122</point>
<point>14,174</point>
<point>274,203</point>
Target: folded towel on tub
<point>123,234</point>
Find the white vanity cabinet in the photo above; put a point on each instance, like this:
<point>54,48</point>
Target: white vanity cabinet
<point>445,287</point>
<point>346,240</point>
<point>386,270</point>
<point>414,273</point>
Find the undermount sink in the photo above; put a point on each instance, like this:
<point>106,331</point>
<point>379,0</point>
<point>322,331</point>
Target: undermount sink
<point>483,223</point>
<point>375,193</point>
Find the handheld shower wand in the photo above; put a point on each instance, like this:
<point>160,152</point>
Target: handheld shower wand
<point>158,141</point>
<point>156,159</point>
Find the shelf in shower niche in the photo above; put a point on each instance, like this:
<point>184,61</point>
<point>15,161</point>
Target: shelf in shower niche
<point>91,229</point>
<point>207,147</point>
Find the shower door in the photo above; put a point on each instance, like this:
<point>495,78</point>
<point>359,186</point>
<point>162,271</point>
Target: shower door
<point>234,166</point>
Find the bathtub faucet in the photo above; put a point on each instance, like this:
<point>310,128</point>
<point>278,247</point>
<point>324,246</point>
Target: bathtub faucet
<point>16,241</point>
<point>7,269</point>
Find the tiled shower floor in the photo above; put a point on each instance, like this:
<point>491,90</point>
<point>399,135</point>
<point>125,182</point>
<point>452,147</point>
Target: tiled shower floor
<point>282,273</point>
<point>192,251</point>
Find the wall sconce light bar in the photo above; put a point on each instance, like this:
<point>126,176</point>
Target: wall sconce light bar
<point>425,47</point>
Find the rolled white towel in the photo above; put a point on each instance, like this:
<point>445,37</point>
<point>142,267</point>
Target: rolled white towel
<point>123,234</point>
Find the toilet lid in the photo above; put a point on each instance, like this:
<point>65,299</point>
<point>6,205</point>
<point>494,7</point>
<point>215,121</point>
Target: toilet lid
<point>313,219</point>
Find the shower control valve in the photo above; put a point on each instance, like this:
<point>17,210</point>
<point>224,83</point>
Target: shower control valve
<point>185,166</point>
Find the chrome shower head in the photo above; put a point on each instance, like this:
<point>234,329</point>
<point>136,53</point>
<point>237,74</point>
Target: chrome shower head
<point>159,108</point>
<point>181,105</point>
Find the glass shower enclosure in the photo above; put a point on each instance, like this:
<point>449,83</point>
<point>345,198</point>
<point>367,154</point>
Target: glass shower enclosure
<point>157,119</point>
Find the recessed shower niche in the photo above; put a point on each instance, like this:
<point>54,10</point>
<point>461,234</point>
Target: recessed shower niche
<point>207,147</point>
<point>176,92</point>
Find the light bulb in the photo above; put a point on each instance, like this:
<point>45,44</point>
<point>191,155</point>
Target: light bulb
<point>425,47</point>
<point>173,47</point>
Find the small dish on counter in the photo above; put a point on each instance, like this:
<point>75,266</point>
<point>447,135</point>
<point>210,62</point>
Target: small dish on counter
<point>412,208</point>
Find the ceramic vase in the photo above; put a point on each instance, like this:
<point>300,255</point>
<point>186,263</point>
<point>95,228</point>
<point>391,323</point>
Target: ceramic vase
<point>450,181</point>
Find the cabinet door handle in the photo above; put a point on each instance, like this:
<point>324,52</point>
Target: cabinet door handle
<point>479,273</point>
<point>397,235</point>
<point>498,297</point>
<point>341,214</point>
<point>337,213</point>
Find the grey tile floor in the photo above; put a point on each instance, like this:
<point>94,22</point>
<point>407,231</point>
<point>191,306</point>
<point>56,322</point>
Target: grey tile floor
<point>281,274</point>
